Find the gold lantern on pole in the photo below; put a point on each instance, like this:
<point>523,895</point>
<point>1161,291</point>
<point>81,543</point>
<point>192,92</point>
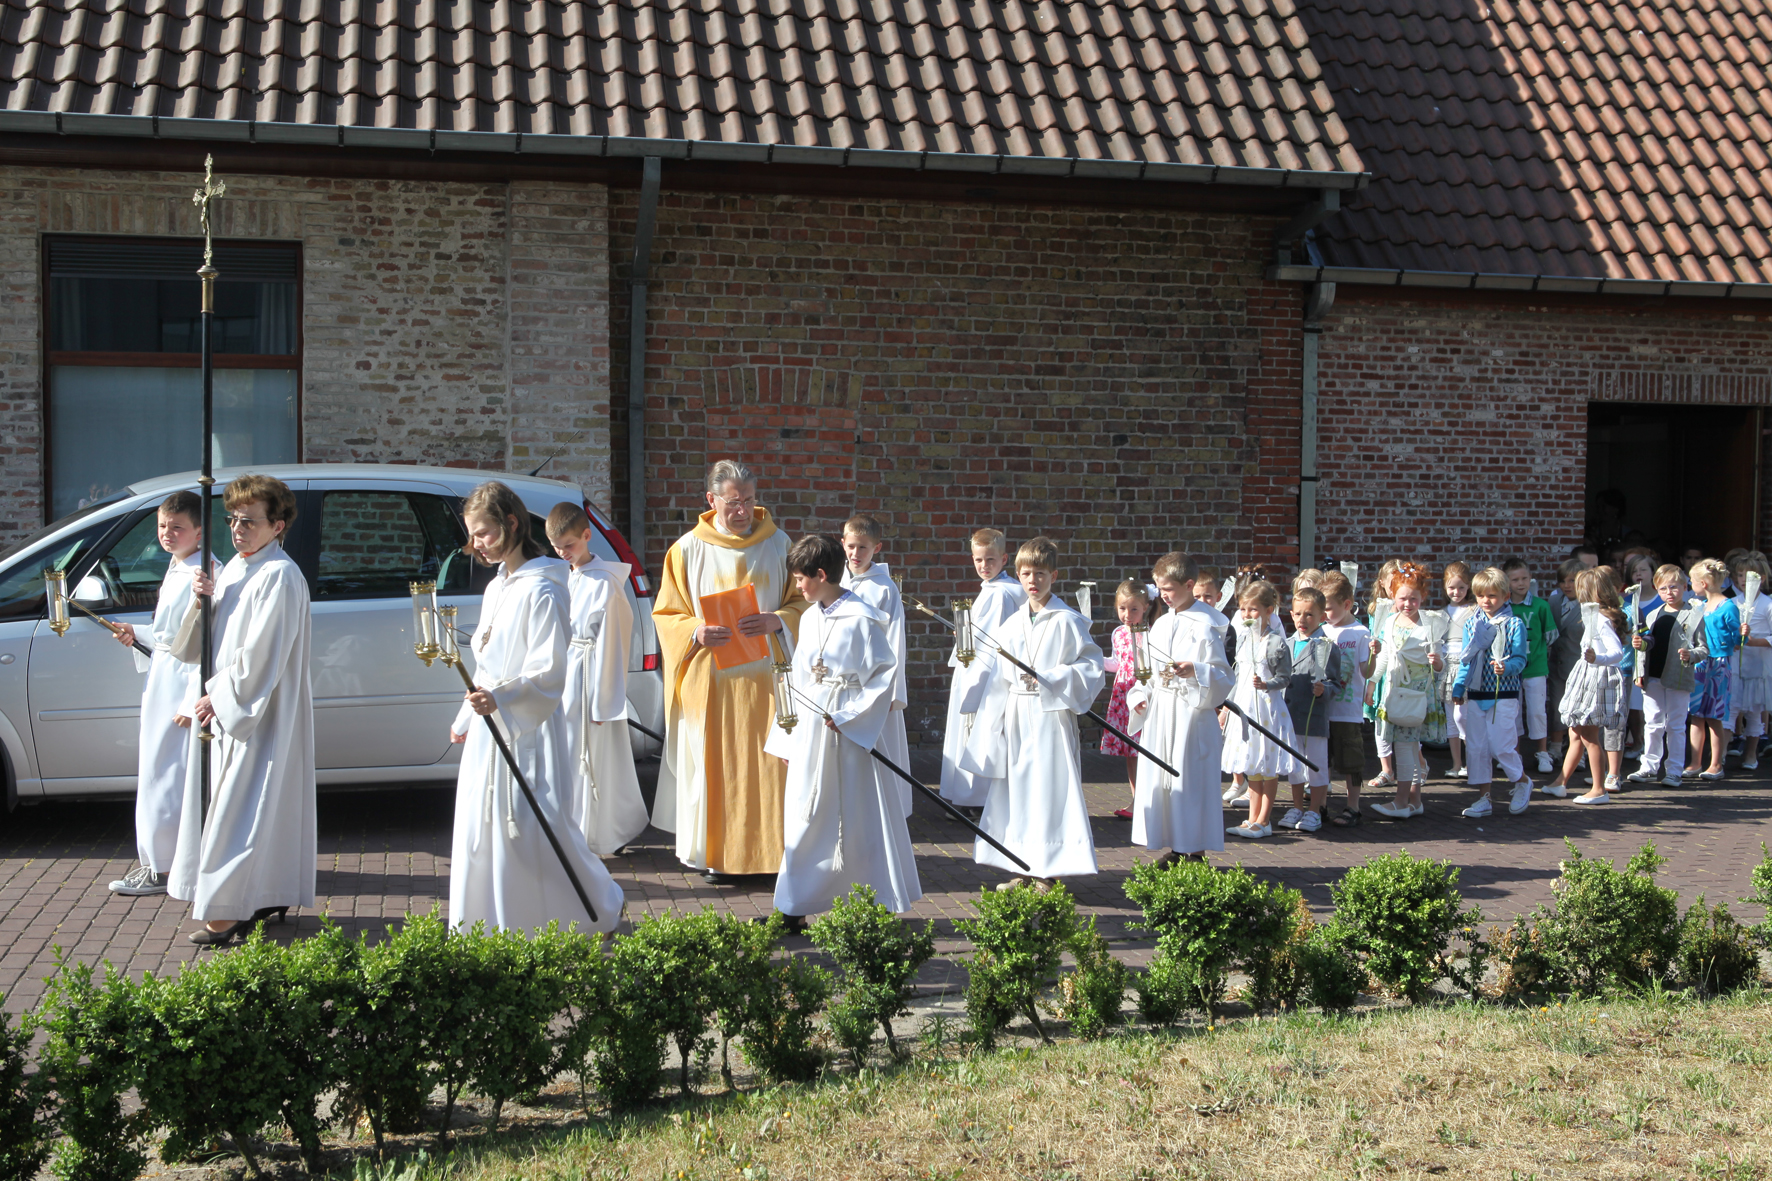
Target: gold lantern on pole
<point>963,645</point>
<point>425,643</point>
<point>1141,652</point>
<point>55,587</point>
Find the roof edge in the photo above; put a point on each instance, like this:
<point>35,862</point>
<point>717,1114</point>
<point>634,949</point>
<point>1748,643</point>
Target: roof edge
<point>1495,281</point>
<point>609,146</point>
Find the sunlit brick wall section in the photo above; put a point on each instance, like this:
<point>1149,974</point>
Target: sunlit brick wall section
<point>951,366</point>
<point>1452,428</point>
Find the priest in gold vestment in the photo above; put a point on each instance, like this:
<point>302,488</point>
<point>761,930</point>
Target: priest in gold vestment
<point>717,790</point>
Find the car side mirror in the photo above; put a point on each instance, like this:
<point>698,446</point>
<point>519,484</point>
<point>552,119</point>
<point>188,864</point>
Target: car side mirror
<point>90,590</point>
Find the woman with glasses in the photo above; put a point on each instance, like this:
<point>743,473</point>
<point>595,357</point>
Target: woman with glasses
<point>252,855</point>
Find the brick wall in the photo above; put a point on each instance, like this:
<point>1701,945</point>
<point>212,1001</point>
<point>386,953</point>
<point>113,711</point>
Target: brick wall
<point>946,367</point>
<point>1451,428</point>
<point>460,324</point>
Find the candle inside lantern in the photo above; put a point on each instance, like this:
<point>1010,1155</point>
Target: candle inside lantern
<point>1141,653</point>
<point>424,621</point>
<point>447,647</point>
<point>963,631</point>
<point>55,588</point>
<point>785,716</point>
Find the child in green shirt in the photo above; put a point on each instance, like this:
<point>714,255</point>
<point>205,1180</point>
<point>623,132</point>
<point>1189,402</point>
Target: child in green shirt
<point>1541,633</point>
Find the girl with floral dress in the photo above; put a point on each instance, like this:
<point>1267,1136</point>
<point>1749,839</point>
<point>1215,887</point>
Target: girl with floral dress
<point>1133,608</point>
<point>1407,708</point>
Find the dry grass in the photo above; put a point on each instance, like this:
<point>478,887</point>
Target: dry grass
<point>1656,1088</point>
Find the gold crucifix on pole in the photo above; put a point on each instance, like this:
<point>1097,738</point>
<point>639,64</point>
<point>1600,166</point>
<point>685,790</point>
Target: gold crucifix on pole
<point>212,188</point>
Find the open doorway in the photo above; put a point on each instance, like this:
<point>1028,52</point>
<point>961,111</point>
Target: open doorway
<point>1672,477</point>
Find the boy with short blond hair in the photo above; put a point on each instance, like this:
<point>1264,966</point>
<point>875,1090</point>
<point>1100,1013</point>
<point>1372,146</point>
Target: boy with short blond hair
<point>1486,692</point>
<point>1036,804</point>
<point>870,581</point>
<point>1347,729</point>
<point>977,696</point>
<point>606,803</point>
<point>1541,633</point>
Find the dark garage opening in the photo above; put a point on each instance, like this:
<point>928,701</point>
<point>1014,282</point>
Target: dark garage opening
<point>1688,476</point>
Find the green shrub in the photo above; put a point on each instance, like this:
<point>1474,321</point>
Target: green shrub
<point>436,969</point>
<point>1607,926</point>
<point>89,1062</point>
<point>1090,996</point>
<point>1401,912</point>
<point>1761,880</point>
<point>577,964</point>
<point>1716,952</point>
<point>665,988</point>
<point>1206,921</point>
<point>879,954</point>
<point>780,1021</point>
<point>1019,939</point>
<point>1165,990</point>
<point>1526,964</point>
<point>746,957</point>
<point>511,1052</point>
<point>27,1108</point>
<point>1330,969</point>
<point>227,1048</point>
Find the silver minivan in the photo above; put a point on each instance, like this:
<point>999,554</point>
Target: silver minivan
<point>69,705</point>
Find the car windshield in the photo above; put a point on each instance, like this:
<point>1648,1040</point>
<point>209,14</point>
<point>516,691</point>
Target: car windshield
<point>32,539</point>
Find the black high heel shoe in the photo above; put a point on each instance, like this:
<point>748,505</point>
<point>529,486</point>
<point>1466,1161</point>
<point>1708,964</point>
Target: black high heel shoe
<point>264,914</point>
<point>204,937</point>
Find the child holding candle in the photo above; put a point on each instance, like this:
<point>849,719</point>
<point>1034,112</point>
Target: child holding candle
<point>977,696</point>
<point>1753,683</point>
<point>1316,676</point>
<point>1347,731</point>
<point>1458,610</point>
<point>1407,708</point>
<point>863,538</point>
<point>1036,805</point>
<point>1174,715</point>
<point>1674,644</point>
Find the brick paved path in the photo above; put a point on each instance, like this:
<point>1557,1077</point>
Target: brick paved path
<point>385,853</point>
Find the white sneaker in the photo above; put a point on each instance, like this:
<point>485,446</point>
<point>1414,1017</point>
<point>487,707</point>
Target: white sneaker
<point>1672,779</point>
<point>1458,773</point>
<point>1393,812</point>
<point>1555,791</point>
<point>1241,801</point>
<point>1311,821</point>
<point>1292,817</point>
<point>1480,809</point>
<point>139,882</point>
<point>1613,785</point>
<point>1643,775</point>
<point>1249,832</point>
<point>1545,766</point>
<point>1631,752</point>
<point>1521,797</point>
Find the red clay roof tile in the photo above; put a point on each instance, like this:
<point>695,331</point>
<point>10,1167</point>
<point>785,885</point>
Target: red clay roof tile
<point>1656,106</point>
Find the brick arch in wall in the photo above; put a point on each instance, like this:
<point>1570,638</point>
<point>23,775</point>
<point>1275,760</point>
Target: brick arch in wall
<point>797,424</point>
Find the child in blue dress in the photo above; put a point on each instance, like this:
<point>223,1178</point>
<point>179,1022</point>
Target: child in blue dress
<point>1710,712</point>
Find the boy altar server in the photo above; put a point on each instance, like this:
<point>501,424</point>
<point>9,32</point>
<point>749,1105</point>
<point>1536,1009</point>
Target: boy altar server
<point>606,801</point>
<point>869,580</point>
<point>845,822</point>
<point>1035,806</point>
<point>502,869</point>
<point>254,855</point>
<point>164,751</point>
<point>978,695</point>
<point>1176,716</point>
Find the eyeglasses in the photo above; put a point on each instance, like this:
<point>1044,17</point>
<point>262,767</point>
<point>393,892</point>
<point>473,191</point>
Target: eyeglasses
<point>238,522</point>
<point>747,501</point>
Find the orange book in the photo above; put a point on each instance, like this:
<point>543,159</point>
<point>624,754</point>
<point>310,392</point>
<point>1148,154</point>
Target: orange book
<point>725,609</point>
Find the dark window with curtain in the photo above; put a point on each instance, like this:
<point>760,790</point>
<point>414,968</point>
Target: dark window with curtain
<point>124,334</point>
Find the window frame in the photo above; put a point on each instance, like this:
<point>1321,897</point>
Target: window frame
<point>118,360</point>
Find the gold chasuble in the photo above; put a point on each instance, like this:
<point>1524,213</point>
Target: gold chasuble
<point>717,790</point>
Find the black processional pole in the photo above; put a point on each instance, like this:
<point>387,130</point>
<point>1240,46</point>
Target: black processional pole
<point>211,189</point>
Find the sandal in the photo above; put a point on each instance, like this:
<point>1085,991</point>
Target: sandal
<point>1380,780</point>
<point>1349,818</point>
